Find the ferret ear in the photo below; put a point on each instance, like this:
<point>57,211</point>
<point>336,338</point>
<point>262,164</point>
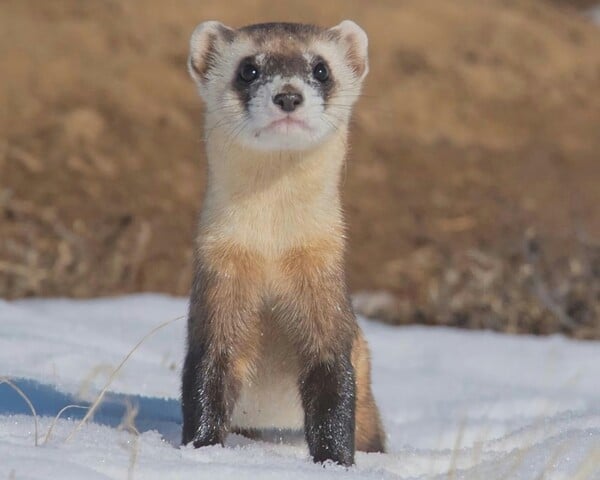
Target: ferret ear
<point>355,41</point>
<point>203,48</point>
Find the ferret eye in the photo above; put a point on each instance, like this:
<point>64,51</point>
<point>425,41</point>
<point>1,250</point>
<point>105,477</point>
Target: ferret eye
<point>321,72</point>
<point>249,72</point>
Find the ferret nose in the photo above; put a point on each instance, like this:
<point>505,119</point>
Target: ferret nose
<point>288,101</point>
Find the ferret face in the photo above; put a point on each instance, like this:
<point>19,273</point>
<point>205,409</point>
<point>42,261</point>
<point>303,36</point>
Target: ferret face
<point>278,86</point>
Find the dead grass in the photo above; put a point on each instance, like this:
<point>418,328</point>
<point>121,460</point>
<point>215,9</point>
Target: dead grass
<point>532,290</point>
<point>589,466</point>
<point>29,404</point>
<point>128,425</point>
<point>465,138</point>
<point>96,403</point>
<point>57,417</point>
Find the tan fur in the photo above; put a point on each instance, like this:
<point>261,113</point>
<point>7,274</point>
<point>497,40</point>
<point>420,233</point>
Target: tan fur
<point>311,301</point>
<point>270,203</point>
<point>228,298</point>
<point>369,430</point>
<point>270,252</point>
<point>276,290</point>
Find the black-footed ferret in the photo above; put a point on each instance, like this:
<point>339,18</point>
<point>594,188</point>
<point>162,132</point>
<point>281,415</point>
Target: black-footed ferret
<point>272,339</point>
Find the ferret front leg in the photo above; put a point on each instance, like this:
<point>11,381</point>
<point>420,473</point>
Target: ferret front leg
<point>223,338</point>
<point>314,310</point>
<point>329,396</point>
<point>207,390</point>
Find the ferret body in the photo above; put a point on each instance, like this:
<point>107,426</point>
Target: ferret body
<point>272,339</point>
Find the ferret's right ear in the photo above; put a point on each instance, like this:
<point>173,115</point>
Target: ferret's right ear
<point>203,48</point>
<point>355,42</point>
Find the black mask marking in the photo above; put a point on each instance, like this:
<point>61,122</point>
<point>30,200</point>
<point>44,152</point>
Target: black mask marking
<point>283,65</point>
<point>325,88</point>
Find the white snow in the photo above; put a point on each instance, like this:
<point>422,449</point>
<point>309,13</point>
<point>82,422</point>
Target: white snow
<point>456,404</point>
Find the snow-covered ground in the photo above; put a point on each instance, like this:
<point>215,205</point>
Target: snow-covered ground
<point>456,404</point>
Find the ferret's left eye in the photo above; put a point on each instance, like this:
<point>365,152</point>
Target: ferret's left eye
<point>321,72</point>
<point>249,72</point>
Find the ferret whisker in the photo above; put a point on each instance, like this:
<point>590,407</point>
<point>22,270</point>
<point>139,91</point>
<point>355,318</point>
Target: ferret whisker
<point>221,123</point>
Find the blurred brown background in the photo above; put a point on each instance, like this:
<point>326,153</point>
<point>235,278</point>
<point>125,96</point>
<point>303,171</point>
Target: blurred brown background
<point>471,191</point>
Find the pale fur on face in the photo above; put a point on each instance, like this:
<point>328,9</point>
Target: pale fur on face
<point>215,55</point>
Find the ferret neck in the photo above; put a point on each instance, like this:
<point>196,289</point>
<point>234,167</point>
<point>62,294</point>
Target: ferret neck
<point>236,173</point>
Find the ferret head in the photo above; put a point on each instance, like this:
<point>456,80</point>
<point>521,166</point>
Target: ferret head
<point>278,86</point>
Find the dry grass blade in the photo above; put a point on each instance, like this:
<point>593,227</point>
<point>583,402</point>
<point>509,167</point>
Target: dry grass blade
<point>98,400</point>
<point>133,458</point>
<point>589,465</point>
<point>128,421</point>
<point>29,404</point>
<point>86,384</point>
<point>455,451</point>
<point>58,415</point>
<point>128,424</point>
<point>556,455</point>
